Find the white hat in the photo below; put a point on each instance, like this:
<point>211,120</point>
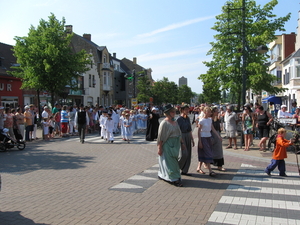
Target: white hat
<point>156,109</point>
<point>27,107</point>
<point>283,106</point>
<point>46,107</point>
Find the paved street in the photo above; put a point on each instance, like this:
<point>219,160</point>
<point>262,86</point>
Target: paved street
<point>65,182</point>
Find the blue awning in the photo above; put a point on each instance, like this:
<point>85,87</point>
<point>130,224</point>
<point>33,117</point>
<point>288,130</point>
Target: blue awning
<point>275,99</point>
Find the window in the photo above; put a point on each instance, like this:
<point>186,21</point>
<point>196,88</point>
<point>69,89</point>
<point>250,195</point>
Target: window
<point>94,81</point>
<point>104,58</point>
<point>297,71</point>
<point>90,80</point>
<point>104,78</point>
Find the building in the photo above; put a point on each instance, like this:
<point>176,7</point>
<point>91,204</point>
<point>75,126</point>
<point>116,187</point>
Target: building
<point>182,81</point>
<point>11,93</point>
<point>131,68</point>
<point>119,81</point>
<point>95,85</point>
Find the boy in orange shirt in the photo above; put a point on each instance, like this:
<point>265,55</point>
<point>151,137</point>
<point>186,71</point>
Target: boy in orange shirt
<point>279,154</point>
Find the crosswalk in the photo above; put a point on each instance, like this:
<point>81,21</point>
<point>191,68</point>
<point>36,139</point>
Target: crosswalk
<point>95,138</point>
<point>255,198</point>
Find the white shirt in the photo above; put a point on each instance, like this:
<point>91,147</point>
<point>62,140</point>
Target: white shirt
<point>205,127</point>
<point>282,114</point>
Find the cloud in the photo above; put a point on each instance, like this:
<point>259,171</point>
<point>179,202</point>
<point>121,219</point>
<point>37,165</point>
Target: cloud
<point>196,50</point>
<point>175,26</point>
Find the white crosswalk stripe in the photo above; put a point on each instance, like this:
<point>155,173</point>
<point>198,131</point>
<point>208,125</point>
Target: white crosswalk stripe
<point>94,138</point>
<point>255,198</point>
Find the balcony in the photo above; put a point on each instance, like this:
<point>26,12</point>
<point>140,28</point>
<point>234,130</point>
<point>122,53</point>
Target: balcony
<point>73,92</point>
<point>106,87</point>
<point>105,66</point>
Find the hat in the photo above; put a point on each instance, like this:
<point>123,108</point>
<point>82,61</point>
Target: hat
<point>27,107</point>
<point>46,107</point>
<point>168,108</point>
<point>154,108</point>
<point>184,106</point>
<point>283,106</point>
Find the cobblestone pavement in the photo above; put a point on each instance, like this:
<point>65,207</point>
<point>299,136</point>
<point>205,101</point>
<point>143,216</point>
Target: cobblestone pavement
<point>65,182</point>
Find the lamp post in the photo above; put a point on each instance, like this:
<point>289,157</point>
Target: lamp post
<point>245,49</point>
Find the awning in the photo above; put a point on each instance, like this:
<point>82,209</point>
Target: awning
<point>274,99</point>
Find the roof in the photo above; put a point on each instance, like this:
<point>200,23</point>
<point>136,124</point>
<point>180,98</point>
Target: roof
<point>293,55</point>
<point>7,59</point>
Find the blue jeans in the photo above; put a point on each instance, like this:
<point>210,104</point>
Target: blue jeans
<point>276,163</point>
<point>28,128</point>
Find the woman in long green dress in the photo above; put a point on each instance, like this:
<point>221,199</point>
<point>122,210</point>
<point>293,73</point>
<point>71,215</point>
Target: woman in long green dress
<point>169,143</point>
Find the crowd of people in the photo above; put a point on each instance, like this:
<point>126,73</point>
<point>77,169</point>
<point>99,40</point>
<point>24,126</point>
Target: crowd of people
<point>175,139</point>
<point>65,121</point>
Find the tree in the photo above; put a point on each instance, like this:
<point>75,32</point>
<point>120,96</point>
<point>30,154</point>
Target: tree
<point>46,59</point>
<point>165,91</point>
<point>184,94</point>
<point>144,89</point>
<point>225,70</point>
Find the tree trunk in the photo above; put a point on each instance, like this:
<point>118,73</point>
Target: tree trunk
<point>39,104</point>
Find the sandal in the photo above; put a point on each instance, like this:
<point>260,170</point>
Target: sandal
<point>235,148</point>
<point>222,169</point>
<point>229,146</point>
<point>177,183</point>
<point>212,174</point>
<point>201,171</point>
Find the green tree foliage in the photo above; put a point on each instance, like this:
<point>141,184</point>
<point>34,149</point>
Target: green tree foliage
<point>46,58</point>
<point>144,89</point>
<point>184,94</point>
<point>165,91</point>
<point>224,71</point>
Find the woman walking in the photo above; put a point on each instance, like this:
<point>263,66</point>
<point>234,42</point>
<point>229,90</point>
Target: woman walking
<point>205,143</point>
<point>168,142</point>
<point>248,126</point>
<point>217,148</point>
<point>264,120</point>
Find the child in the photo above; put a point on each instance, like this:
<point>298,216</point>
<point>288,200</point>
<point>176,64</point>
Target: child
<point>46,129</point>
<point>102,121</point>
<point>51,127</point>
<point>109,125</point>
<point>279,154</point>
<point>127,128</point>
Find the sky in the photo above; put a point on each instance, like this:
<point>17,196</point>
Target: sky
<point>172,37</point>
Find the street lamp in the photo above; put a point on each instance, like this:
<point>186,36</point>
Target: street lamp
<point>245,49</point>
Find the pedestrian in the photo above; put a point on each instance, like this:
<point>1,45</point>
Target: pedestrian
<point>231,120</point>
<point>20,121</point>
<point>153,124</point>
<point>248,126</point>
<point>109,126</point>
<point>205,142</point>
<point>184,123</point>
<point>264,120</point>
<point>217,147</point>
<point>71,115</point>
<point>102,121</point>
<point>81,121</point>
<point>279,154</point>
<point>169,142</point>
<point>127,127</point>
<point>27,123</point>
<point>46,128</point>
<point>64,120</point>
<point>8,122</point>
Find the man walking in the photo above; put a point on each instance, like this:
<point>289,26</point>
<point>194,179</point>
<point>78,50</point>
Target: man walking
<point>81,122</point>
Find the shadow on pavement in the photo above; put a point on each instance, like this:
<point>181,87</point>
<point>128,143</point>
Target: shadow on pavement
<point>21,162</point>
<point>13,218</point>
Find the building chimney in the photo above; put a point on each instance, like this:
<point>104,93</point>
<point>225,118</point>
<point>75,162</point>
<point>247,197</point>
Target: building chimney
<point>115,55</point>
<point>69,29</point>
<point>87,37</point>
<point>134,60</point>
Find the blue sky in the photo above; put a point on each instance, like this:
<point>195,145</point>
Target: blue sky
<point>169,36</point>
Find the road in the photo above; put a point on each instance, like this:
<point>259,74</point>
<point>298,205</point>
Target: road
<point>65,182</point>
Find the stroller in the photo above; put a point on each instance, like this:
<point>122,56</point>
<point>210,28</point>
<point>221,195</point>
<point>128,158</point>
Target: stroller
<point>6,142</point>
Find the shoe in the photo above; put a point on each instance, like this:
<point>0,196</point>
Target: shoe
<point>186,174</point>
<point>201,171</point>
<point>112,142</point>
<point>82,141</point>
<point>268,173</point>
<point>212,174</point>
<point>283,175</point>
<point>177,183</point>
